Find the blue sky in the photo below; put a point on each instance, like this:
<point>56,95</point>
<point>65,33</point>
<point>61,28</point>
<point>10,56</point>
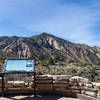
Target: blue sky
<point>75,20</point>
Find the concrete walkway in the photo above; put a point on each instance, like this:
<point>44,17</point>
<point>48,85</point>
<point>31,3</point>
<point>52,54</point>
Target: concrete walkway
<point>49,97</point>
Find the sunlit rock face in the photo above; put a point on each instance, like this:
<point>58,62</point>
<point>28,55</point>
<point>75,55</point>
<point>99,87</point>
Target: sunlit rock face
<point>18,48</point>
<point>45,43</point>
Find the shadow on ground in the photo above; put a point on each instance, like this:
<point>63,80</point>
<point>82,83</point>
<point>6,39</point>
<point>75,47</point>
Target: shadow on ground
<point>43,97</point>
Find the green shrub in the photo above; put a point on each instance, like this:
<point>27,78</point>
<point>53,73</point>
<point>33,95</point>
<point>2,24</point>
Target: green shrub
<point>50,61</point>
<point>97,64</point>
<point>39,73</point>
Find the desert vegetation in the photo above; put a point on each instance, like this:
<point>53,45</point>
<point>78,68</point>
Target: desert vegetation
<point>57,65</point>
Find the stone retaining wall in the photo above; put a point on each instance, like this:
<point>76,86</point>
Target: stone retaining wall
<point>62,84</point>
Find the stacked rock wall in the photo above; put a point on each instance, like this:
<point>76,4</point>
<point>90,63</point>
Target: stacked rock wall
<point>63,84</point>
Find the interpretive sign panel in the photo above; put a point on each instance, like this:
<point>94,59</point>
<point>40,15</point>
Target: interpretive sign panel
<point>18,65</point>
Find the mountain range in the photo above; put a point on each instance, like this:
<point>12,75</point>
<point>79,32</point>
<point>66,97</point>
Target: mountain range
<point>45,43</point>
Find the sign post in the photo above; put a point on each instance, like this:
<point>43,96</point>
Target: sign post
<point>18,66</point>
<point>2,85</point>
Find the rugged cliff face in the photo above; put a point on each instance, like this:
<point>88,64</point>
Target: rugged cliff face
<point>19,48</point>
<point>47,44</point>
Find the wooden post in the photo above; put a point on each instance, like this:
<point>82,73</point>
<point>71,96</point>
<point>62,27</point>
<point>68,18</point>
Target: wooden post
<point>34,84</point>
<point>3,85</point>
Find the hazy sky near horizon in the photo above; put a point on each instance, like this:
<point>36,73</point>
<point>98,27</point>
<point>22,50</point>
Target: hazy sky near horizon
<point>75,20</point>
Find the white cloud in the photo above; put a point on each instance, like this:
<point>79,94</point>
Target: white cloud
<point>69,21</point>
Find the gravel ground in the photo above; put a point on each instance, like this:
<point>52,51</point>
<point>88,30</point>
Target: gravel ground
<point>50,97</point>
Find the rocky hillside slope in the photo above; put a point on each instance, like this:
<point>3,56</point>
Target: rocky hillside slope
<point>45,43</point>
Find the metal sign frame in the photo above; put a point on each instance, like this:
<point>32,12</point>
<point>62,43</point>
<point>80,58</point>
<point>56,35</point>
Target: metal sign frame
<point>17,72</point>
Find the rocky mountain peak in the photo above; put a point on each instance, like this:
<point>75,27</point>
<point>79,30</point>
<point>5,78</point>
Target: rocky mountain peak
<point>46,43</point>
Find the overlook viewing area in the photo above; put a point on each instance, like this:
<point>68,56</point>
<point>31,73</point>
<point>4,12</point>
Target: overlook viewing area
<point>19,82</point>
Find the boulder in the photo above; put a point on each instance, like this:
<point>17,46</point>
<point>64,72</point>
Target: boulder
<point>61,77</point>
<point>44,87</point>
<point>90,93</point>
<point>8,85</point>
<point>19,84</point>
<point>98,95</point>
<point>96,85</point>
<point>80,79</point>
